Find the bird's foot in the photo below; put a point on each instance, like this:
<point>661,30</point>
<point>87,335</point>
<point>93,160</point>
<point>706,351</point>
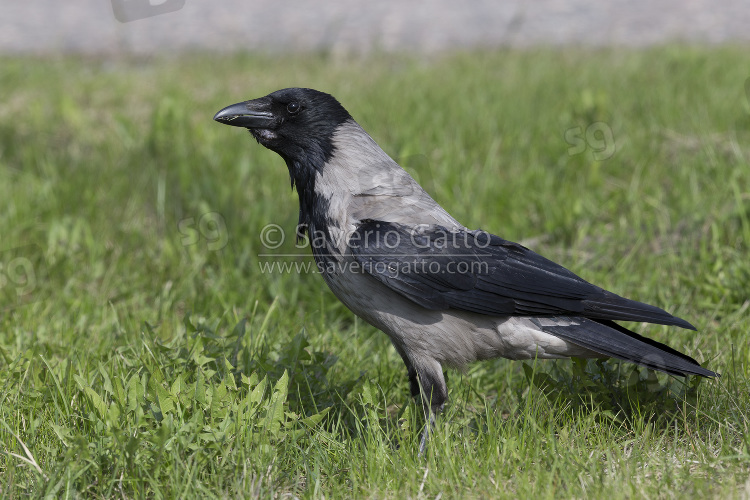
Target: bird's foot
<point>428,427</point>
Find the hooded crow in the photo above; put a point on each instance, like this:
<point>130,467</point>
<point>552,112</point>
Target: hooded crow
<point>444,294</point>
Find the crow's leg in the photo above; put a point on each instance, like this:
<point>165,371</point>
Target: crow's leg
<point>431,385</point>
<point>425,380</point>
<point>413,382</point>
<point>413,379</point>
<point>428,426</point>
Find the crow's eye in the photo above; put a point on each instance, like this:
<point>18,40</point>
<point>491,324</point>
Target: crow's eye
<point>292,107</point>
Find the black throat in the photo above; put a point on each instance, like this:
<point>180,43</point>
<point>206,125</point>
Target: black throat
<point>305,140</point>
<point>313,207</point>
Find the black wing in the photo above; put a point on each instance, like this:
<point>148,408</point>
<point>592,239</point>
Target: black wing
<point>482,273</point>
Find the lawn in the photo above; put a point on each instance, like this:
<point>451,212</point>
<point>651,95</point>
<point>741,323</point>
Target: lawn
<point>145,350</point>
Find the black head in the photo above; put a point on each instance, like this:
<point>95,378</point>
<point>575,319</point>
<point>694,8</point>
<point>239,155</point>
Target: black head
<point>296,123</point>
<point>299,125</point>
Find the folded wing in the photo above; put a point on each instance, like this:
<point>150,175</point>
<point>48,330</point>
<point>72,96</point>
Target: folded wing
<point>475,271</point>
<point>483,273</point>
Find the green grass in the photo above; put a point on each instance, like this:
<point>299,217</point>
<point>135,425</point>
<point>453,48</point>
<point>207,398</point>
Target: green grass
<point>144,353</point>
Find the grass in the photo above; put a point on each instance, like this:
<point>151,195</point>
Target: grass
<point>144,353</point>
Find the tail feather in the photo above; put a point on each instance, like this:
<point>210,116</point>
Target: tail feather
<point>610,339</point>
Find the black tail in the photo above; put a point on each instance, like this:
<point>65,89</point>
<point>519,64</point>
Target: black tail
<point>610,339</point>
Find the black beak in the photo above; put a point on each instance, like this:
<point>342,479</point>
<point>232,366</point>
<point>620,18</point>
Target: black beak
<point>248,114</point>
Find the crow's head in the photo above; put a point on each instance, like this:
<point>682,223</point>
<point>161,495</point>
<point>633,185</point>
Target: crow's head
<point>298,124</point>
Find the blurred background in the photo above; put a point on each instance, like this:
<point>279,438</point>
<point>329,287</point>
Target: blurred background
<point>92,27</point>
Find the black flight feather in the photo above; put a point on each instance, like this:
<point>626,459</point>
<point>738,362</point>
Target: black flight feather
<point>483,273</point>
